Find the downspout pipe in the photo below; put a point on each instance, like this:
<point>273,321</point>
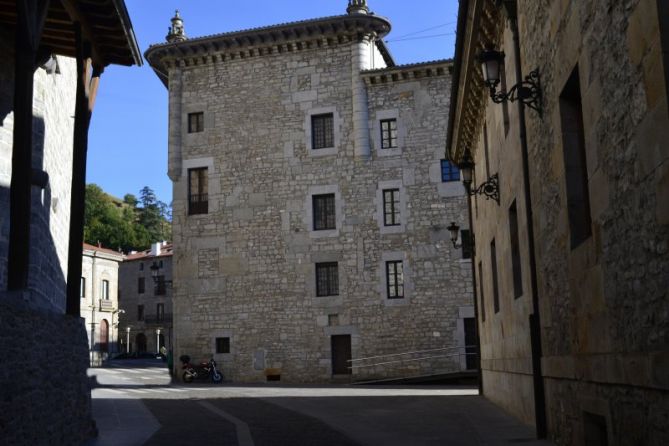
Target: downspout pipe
<point>535,324</point>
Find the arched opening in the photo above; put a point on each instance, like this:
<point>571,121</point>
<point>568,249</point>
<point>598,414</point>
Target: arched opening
<point>140,342</point>
<point>104,335</point>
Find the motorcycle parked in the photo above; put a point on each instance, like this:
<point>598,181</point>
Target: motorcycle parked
<point>203,371</point>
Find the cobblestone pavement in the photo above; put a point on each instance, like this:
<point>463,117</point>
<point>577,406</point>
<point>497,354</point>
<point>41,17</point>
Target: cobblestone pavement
<point>134,403</point>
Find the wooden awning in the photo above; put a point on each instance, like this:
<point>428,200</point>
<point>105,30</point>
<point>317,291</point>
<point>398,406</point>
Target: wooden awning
<point>105,24</point>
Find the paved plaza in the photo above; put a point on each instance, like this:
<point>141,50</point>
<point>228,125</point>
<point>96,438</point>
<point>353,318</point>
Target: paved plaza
<point>135,403</point>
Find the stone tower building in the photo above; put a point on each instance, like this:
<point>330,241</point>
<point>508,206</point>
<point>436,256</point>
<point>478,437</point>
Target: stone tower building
<point>311,203</point>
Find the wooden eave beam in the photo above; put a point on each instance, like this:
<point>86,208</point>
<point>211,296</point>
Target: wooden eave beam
<point>91,36</point>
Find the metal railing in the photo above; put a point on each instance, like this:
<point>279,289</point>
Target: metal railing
<point>407,357</point>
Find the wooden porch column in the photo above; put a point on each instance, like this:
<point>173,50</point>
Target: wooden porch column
<point>31,15</point>
<point>88,79</point>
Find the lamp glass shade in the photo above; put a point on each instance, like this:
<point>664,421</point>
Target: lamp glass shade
<point>455,232</point>
<point>491,65</point>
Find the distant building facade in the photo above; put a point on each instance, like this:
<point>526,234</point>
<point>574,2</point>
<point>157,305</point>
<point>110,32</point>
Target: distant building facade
<point>48,54</point>
<point>311,204</point>
<point>572,263</point>
<point>99,300</point>
<point>145,281</point>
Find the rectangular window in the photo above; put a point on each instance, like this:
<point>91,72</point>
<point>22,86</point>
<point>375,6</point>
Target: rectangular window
<point>515,251</point>
<point>449,171</point>
<point>195,122</point>
<point>327,279</point>
<point>395,279</point>
<point>495,286</point>
<point>389,133</point>
<point>159,289</point>
<point>105,290</point>
<point>82,288</point>
<point>140,312</point>
<point>160,312</point>
<point>466,238</point>
<point>141,266</point>
<point>391,207</point>
<point>140,285</point>
<point>198,191</point>
<point>575,167</point>
<point>482,299</point>
<point>322,131</point>
<point>324,212</point>
<point>222,345</point>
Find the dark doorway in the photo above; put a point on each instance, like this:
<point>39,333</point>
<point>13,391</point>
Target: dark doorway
<point>161,341</point>
<point>341,354</point>
<point>472,358</point>
<point>104,336</point>
<point>140,341</point>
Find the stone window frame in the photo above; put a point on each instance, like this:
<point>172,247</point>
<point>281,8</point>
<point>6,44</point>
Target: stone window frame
<point>196,138</point>
<point>392,229</point>
<point>331,302</point>
<point>390,256</point>
<point>336,124</point>
<point>331,287</point>
<point>384,115</point>
<point>309,213</point>
<point>214,186</point>
<point>199,206</point>
<point>222,333</point>
<point>196,122</point>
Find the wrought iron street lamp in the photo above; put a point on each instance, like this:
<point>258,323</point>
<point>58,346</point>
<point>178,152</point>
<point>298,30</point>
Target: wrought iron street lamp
<point>454,229</point>
<point>528,91</point>
<point>489,188</point>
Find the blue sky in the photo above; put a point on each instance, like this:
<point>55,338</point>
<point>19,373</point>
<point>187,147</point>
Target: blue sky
<point>128,135</point>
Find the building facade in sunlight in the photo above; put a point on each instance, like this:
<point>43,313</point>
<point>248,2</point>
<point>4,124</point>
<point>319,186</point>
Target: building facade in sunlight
<point>99,301</point>
<point>311,204</point>
<point>53,54</point>
<point>572,260</point>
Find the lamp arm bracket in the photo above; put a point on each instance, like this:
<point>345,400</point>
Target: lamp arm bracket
<point>489,189</point>
<point>528,92</point>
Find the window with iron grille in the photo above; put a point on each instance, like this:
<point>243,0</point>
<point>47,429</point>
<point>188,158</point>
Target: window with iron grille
<point>324,212</point>
<point>389,133</point>
<point>222,345</point>
<point>160,312</point>
<point>195,122</point>
<point>140,312</point>
<point>395,279</point>
<point>327,279</point>
<point>159,289</point>
<point>198,191</point>
<point>322,131</point>
<point>140,285</point>
<point>449,171</point>
<point>391,207</point>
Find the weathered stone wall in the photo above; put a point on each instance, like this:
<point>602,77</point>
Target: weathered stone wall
<point>44,390</point>
<point>246,269</point>
<point>604,304</point>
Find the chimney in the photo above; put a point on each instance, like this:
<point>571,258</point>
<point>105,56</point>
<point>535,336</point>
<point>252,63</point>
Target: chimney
<point>155,249</point>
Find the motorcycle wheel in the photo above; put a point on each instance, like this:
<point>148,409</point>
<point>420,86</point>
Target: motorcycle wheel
<point>187,377</point>
<point>217,377</point>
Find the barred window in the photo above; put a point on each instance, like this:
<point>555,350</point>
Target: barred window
<point>195,122</point>
<point>388,133</point>
<point>327,279</point>
<point>198,191</point>
<point>322,131</point>
<point>391,207</point>
<point>324,212</point>
<point>395,279</point>
<point>222,345</point>
<point>449,171</point>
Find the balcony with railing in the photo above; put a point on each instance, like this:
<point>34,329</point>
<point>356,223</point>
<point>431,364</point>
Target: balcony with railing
<point>106,305</point>
<point>158,319</point>
<point>198,204</point>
